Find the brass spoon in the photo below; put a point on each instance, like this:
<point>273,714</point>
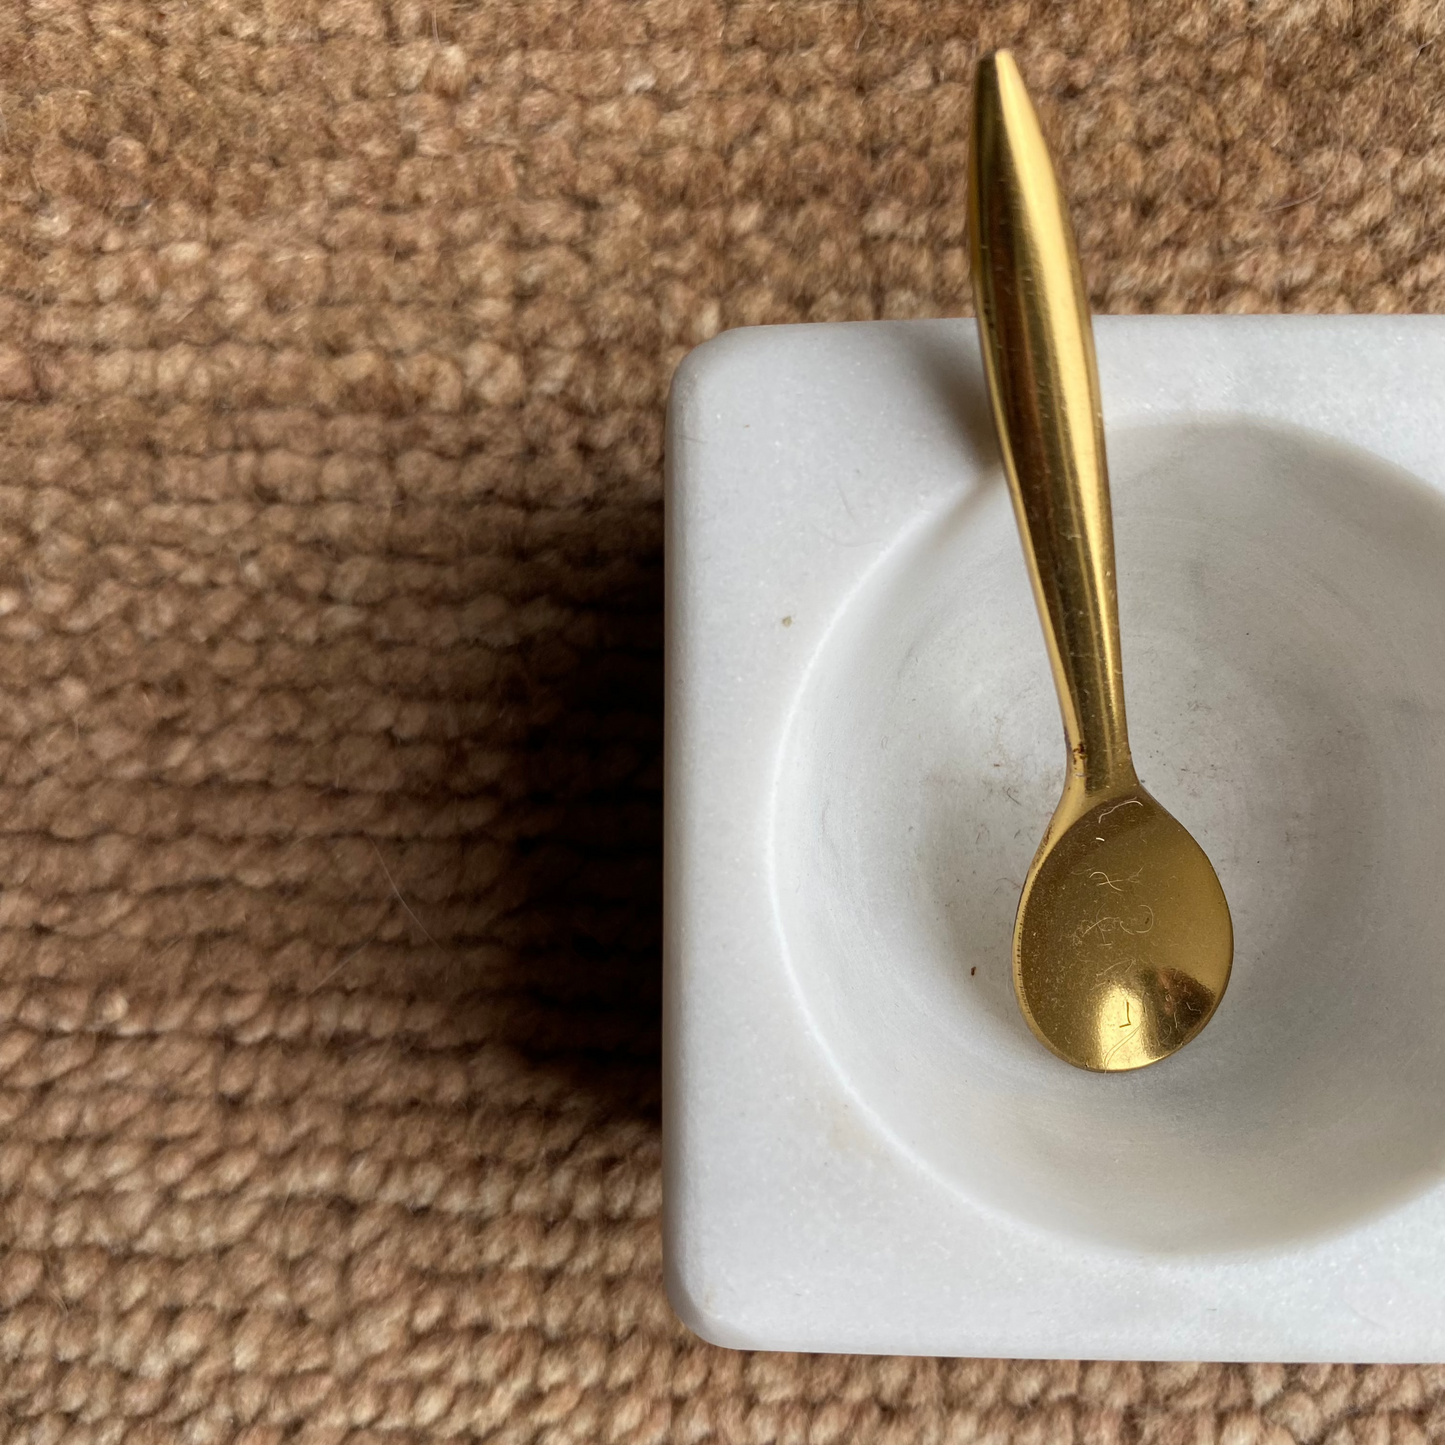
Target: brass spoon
<point>1123,942</point>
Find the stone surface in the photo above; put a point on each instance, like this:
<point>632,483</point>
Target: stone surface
<point>865,1149</point>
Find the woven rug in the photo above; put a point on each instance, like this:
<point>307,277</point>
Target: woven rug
<point>334,342</point>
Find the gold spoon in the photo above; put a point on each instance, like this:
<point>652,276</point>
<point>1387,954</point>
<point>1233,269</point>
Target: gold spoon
<point>1123,942</point>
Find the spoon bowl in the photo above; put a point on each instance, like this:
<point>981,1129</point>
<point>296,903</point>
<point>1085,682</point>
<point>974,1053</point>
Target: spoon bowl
<point>1123,941</point>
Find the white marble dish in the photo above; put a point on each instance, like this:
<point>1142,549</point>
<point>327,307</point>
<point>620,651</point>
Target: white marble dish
<point>866,1149</point>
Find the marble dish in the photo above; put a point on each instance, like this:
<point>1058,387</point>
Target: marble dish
<point>865,1148</point>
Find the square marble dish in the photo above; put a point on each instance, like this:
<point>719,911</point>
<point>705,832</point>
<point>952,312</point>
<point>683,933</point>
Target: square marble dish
<point>866,1150</point>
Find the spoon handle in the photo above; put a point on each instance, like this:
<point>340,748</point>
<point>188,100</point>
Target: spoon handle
<point>1038,351</point>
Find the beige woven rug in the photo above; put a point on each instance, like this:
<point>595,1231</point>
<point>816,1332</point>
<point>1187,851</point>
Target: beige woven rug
<point>334,341</point>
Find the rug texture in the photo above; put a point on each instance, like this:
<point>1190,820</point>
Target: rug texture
<point>334,342</point>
